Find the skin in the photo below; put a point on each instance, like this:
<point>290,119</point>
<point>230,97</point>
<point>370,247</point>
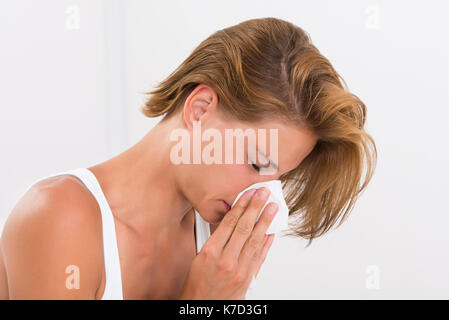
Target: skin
<point>152,200</point>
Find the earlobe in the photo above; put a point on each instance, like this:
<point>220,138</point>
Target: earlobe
<point>198,109</point>
<point>196,114</point>
<point>193,118</point>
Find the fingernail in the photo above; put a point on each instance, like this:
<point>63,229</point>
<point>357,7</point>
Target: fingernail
<point>272,209</point>
<point>250,194</point>
<point>262,192</point>
<point>247,197</point>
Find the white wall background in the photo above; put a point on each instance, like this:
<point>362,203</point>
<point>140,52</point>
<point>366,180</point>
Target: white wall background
<point>71,78</point>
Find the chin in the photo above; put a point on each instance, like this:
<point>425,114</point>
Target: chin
<point>213,216</point>
<point>220,217</point>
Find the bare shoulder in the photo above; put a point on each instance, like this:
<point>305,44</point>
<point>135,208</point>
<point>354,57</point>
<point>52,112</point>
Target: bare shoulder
<point>51,242</point>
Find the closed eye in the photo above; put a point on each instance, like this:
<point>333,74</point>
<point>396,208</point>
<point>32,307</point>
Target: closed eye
<point>257,168</point>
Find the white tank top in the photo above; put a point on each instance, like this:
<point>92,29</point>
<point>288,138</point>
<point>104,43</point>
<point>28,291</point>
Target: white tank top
<point>113,287</point>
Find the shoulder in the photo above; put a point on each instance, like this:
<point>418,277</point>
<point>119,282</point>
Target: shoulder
<point>54,229</point>
<point>60,204</point>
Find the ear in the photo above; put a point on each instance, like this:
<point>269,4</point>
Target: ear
<point>201,102</point>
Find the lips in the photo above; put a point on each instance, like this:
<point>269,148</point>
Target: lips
<point>227,206</point>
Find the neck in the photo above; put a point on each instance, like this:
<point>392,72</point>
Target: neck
<point>141,188</point>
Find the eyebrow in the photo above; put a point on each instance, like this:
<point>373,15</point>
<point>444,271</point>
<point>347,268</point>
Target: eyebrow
<point>271,161</point>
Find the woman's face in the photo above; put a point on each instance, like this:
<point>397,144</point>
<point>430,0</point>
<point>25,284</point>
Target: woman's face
<point>208,186</point>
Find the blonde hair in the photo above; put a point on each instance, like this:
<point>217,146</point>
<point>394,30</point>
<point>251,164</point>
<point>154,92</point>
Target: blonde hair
<point>268,68</point>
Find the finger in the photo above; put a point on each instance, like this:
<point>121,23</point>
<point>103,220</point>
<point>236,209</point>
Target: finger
<point>252,247</point>
<point>226,227</point>
<point>245,224</point>
<point>257,260</point>
<point>257,263</point>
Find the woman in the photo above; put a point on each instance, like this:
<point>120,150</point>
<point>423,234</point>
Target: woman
<point>259,74</point>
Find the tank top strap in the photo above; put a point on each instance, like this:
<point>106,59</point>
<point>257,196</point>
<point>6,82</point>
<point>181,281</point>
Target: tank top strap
<point>202,231</point>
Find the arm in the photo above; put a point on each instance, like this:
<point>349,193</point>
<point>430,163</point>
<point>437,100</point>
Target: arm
<point>50,243</point>
<point>3,281</point>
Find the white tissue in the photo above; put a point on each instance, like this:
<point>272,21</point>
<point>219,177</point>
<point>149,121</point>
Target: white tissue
<point>280,221</point>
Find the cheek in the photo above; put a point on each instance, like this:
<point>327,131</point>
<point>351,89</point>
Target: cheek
<point>223,181</point>
<point>236,177</point>
<point>227,178</point>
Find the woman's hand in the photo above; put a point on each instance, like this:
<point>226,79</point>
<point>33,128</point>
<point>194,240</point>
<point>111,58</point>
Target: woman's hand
<point>233,254</point>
